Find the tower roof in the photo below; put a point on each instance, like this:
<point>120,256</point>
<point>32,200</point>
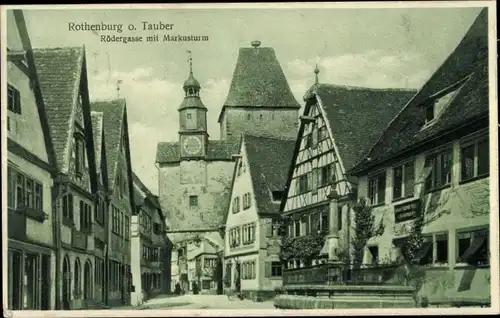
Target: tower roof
<point>191,82</point>
<point>258,81</point>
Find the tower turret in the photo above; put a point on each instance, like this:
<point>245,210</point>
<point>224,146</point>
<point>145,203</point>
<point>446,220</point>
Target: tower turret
<point>193,135</point>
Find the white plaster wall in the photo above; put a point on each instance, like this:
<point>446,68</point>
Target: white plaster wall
<point>36,231</point>
<point>460,200</point>
<point>242,184</point>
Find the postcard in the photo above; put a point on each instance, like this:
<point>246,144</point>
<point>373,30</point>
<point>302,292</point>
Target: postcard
<point>250,159</point>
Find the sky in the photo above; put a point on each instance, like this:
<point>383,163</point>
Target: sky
<point>382,48</point>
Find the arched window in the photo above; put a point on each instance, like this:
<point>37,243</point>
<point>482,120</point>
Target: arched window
<point>78,282</point>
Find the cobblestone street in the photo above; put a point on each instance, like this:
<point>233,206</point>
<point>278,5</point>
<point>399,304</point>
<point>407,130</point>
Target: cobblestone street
<point>205,302</point>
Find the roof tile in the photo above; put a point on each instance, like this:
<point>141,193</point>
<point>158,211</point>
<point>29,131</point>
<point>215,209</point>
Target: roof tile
<point>59,72</point>
<point>357,115</point>
<point>269,163</point>
<point>469,59</point>
<point>113,121</point>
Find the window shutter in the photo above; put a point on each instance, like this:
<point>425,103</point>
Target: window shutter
<point>268,269</point>
<point>381,188</point>
<point>409,175</point>
<point>18,101</point>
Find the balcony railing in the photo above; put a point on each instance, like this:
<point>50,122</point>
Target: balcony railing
<point>17,225</point>
<point>79,239</point>
<point>332,274</point>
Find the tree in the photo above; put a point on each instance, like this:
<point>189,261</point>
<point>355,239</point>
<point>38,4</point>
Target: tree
<point>363,229</point>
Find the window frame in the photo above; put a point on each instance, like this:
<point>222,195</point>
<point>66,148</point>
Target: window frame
<point>275,265</point>
<point>404,166</point>
<point>475,165</point>
<point>471,232</point>
<point>193,201</point>
<point>14,96</point>
<point>436,159</point>
<point>381,175</point>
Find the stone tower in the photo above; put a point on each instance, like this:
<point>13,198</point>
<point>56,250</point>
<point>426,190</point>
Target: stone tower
<point>260,101</point>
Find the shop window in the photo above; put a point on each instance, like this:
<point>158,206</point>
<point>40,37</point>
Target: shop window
<point>473,247</point>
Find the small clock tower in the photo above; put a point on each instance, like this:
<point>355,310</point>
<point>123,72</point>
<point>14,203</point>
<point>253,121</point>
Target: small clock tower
<point>193,135</point>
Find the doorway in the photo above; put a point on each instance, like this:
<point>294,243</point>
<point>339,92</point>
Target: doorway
<point>66,288</point>
<point>45,283</point>
<point>87,281</point>
<point>15,280</point>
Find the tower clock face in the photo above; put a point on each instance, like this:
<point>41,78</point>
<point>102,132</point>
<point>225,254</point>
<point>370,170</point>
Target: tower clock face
<point>192,145</point>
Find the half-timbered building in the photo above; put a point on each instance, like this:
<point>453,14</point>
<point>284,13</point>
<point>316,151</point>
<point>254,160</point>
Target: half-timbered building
<point>429,173</point>
<point>63,79</point>
<point>337,126</point>
<point>31,168</point>
<point>101,234</point>
<point>252,245</point>
<point>151,246</point>
<point>120,199</point>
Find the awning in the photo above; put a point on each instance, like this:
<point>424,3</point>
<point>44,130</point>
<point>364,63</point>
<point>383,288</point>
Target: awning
<point>426,247</point>
<point>475,245</point>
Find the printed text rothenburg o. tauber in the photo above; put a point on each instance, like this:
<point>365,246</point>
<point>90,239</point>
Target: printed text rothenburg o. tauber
<point>144,26</point>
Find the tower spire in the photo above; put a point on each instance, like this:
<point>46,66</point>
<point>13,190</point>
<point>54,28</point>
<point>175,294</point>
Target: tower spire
<point>190,60</point>
<point>316,72</point>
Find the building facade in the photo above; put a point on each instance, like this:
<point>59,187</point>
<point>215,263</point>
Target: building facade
<point>336,129</point>
<point>252,246</point>
<point>151,262</point>
<point>101,233</point>
<point>203,258</point>
<point>432,178</point>
<point>63,79</point>
<point>120,199</point>
<point>30,171</point>
<point>195,172</point>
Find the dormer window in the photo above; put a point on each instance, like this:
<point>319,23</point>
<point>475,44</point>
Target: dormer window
<point>439,101</point>
<point>429,113</point>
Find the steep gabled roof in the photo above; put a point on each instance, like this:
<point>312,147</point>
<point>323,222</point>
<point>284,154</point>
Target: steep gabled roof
<point>113,124</point>
<point>142,194</point>
<point>357,115</point>
<point>258,81</point>
<point>170,152</point>
<point>37,90</point>
<point>268,163</point>
<point>98,135</point>
<point>467,63</point>
<point>59,71</point>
